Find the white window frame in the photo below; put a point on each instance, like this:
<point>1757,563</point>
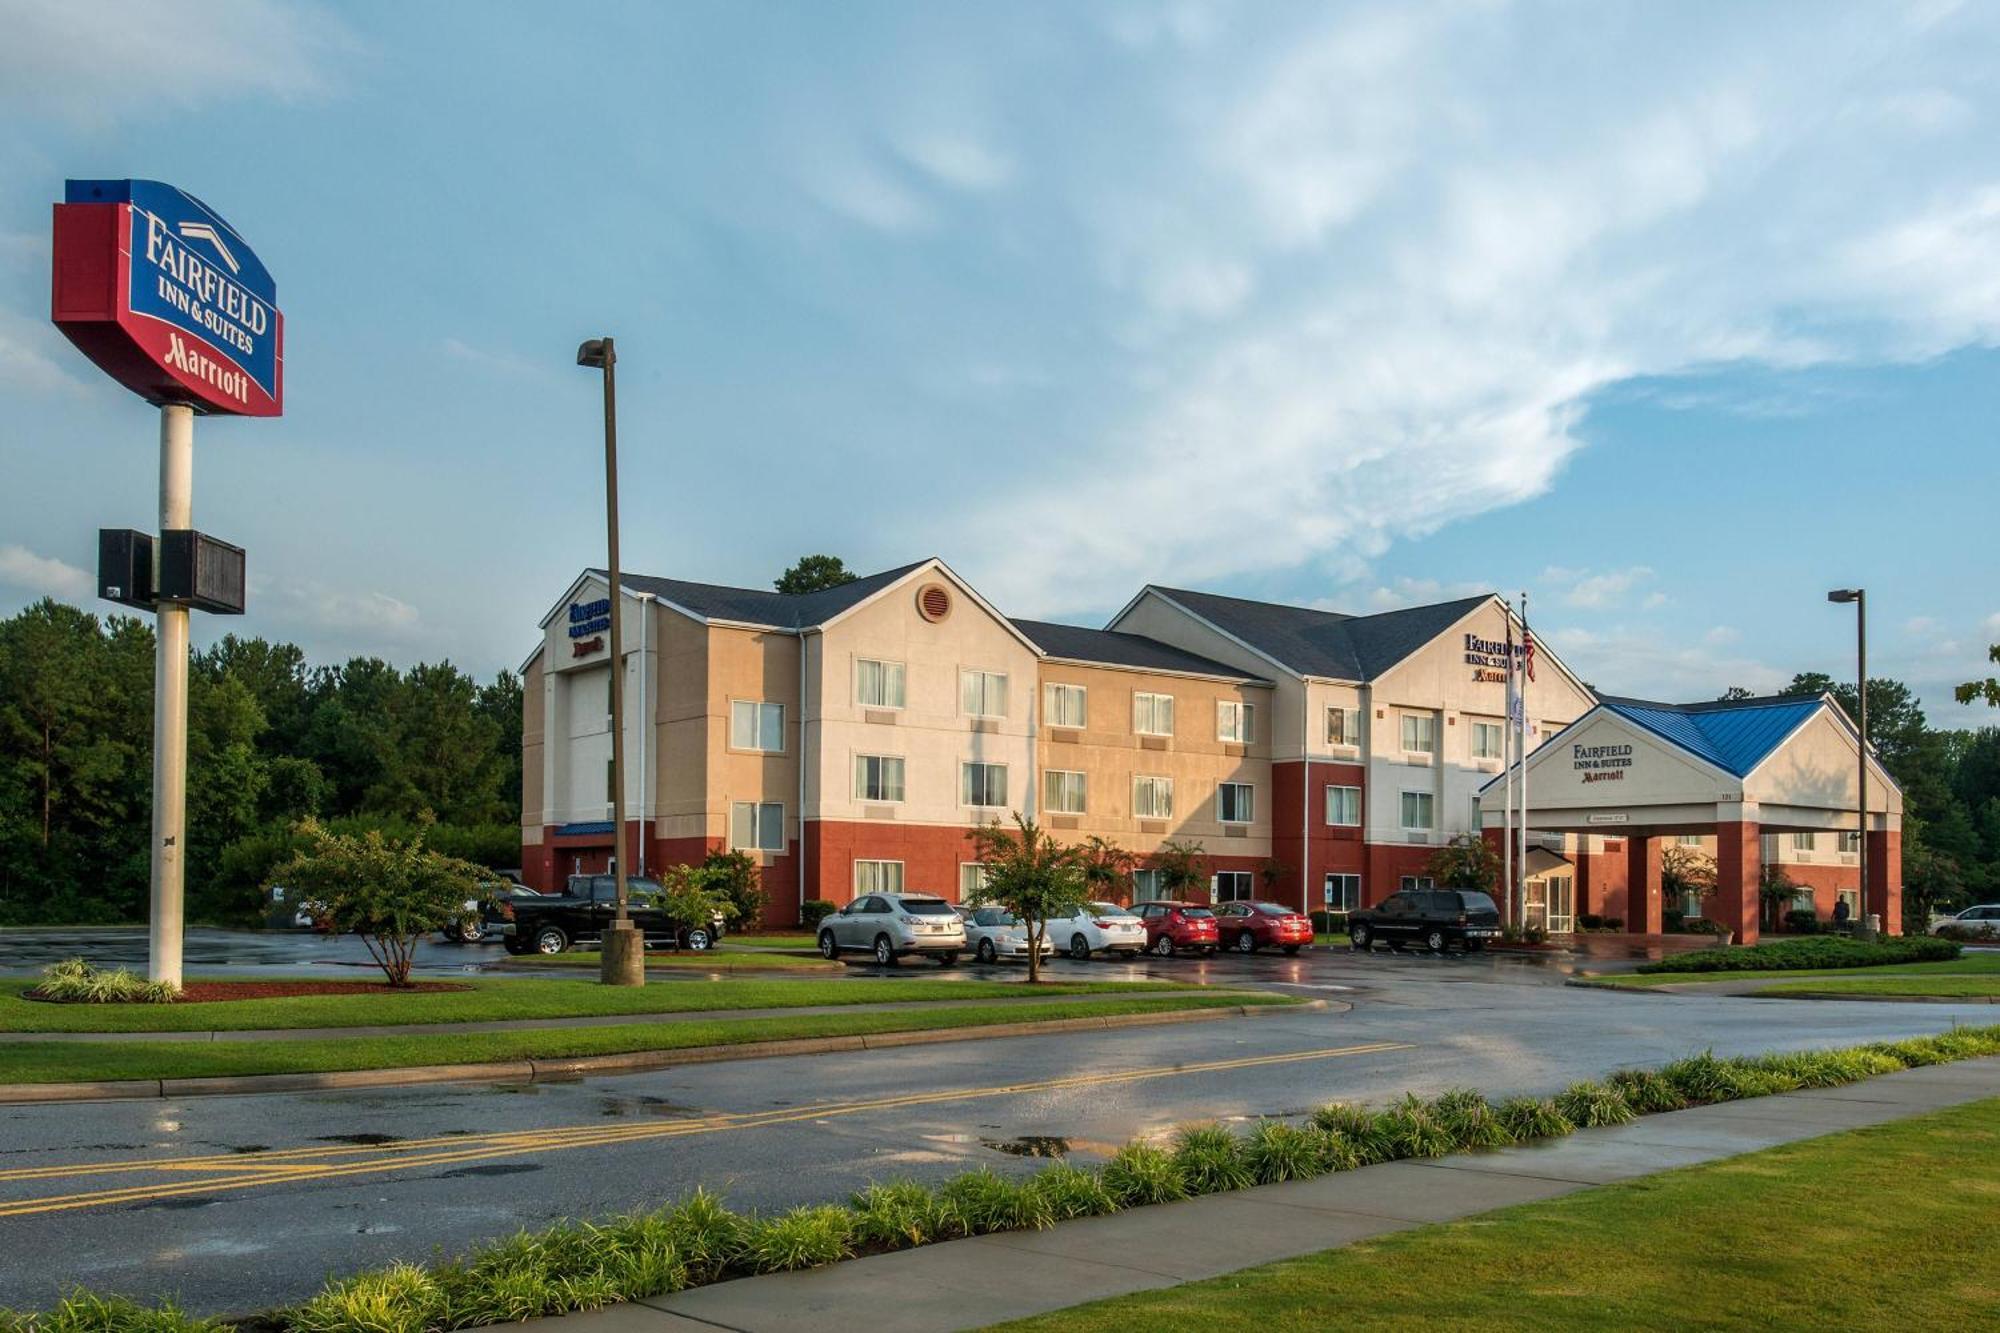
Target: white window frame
<point>762,815</point>
<point>966,785</point>
<point>1350,727</point>
<point>888,673</point>
<point>1354,798</point>
<point>965,889</point>
<point>1850,842</point>
<point>1419,723</point>
<point>1147,706</point>
<point>766,736</point>
<point>976,690</point>
<point>1403,810</point>
<point>1248,814</point>
<point>1804,842</point>
<point>1055,793</point>
<point>1482,729</point>
<point>1241,880</point>
<point>884,760</point>
<point>1417,884</point>
<point>1158,784</point>
<point>1235,721</point>
<point>878,870</point>
<point>1145,883</point>
<point>1687,839</point>
<point>1342,900</point>
<point>1056,709</point>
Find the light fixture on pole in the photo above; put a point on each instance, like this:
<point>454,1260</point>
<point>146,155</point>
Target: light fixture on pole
<point>622,960</point>
<point>1859,597</point>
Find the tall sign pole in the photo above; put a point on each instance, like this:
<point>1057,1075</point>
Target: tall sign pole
<point>1507,757</point>
<point>1521,703</point>
<point>170,301</point>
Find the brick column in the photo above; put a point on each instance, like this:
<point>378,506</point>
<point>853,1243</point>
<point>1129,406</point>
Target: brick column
<point>1496,838</point>
<point>1642,884</point>
<point>1739,867</point>
<point>1885,878</point>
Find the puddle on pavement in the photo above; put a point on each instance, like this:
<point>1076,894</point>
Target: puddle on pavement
<point>645,1105</point>
<point>1030,1145</point>
<point>490,1169</point>
<point>360,1140</point>
<point>249,1147</point>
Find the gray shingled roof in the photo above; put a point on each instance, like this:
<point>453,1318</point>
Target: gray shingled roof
<point>757,606</point>
<point>1326,643</point>
<point>1114,648</point>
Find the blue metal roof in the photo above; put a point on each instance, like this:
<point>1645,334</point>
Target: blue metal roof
<point>584,828</point>
<point>1733,734</point>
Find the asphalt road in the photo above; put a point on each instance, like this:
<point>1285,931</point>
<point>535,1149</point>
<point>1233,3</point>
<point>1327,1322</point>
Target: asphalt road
<point>234,1204</point>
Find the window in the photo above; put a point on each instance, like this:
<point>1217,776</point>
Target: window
<point>1417,809</point>
<point>1850,841</point>
<point>1064,793</point>
<point>1802,900</point>
<point>1153,714</point>
<point>1233,886</point>
<point>1419,733</point>
<point>1486,740</point>
<point>971,879</point>
<point>1852,897</point>
<point>1066,705</point>
<point>1235,721</point>
<point>1688,839</point>
<point>982,693</point>
<point>1418,884</point>
<point>982,784</point>
<point>878,877</point>
<point>878,777</point>
<point>1235,802</point>
<point>1343,807</point>
<point>878,684</point>
<point>1343,893</point>
<point>1145,884</point>
<point>1802,842</point>
<point>756,726</point>
<point>1153,798</point>
<point>1343,726</point>
<point>757,826</point>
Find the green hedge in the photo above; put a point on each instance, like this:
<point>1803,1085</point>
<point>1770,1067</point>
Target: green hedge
<point>1816,952</point>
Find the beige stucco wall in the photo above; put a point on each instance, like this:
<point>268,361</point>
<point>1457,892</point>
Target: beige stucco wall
<point>534,712</point>
<point>1111,754</point>
<point>1156,618</point>
<point>760,666</point>
<point>1818,766</point>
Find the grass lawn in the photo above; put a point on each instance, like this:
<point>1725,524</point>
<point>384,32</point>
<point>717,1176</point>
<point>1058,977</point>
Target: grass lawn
<point>488,1000</point>
<point>1764,1241</point>
<point>49,1062</point>
<point>1972,964</point>
<point>1964,986</point>
<point>707,960</point>
<point>773,940</point>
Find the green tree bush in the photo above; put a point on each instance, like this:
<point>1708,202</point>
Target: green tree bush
<point>390,892</point>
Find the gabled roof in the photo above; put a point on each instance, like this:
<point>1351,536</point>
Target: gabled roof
<point>757,606</point>
<point>1326,643</point>
<point>1735,735</point>
<point>1112,648</point>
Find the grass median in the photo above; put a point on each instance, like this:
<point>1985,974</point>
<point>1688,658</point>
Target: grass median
<point>1971,965</point>
<point>707,960</point>
<point>56,1062</point>
<point>487,1000</point>
<point>1974,987</point>
<point>1769,1240</point>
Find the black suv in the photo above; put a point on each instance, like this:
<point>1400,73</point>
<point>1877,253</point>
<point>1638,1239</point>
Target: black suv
<point>1434,918</point>
<point>552,922</point>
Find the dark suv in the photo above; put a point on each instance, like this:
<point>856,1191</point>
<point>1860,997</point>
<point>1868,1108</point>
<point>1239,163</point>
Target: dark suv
<point>1434,918</point>
<point>552,922</point>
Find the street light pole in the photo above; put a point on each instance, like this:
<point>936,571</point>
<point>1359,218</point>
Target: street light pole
<point>622,958</point>
<point>1859,596</point>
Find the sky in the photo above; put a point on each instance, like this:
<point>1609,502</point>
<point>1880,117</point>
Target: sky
<point>1671,316</point>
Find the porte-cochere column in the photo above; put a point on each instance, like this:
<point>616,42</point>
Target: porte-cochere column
<point>1739,867</point>
<point>1642,884</point>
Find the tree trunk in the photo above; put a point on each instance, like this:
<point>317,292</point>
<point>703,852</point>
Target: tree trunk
<point>1035,929</point>
<point>48,769</point>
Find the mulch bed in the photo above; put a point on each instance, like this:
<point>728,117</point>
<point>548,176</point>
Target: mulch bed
<point>210,992</point>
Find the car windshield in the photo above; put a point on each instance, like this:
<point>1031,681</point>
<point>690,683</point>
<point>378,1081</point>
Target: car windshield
<point>1477,902</point>
<point>928,907</point>
<point>1196,913</point>
<point>996,916</point>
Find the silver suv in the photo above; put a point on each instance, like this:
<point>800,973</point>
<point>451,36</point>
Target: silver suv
<point>893,925</point>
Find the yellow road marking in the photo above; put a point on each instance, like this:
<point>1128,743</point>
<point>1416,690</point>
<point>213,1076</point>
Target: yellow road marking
<point>301,1165</point>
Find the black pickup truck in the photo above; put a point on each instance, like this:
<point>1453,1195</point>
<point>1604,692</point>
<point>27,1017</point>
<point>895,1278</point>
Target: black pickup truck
<point>552,922</point>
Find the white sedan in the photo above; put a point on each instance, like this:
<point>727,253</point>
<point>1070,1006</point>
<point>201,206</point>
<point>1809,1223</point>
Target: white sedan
<point>1099,928</point>
<point>994,933</point>
<point>1981,920</point>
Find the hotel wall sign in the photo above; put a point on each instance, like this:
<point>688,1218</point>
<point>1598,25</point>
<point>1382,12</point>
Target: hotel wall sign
<point>1601,763</point>
<point>1488,658</point>
<point>588,618</point>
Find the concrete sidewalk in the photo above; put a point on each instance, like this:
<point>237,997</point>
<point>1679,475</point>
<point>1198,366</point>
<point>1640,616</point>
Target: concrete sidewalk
<point>971,1283</point>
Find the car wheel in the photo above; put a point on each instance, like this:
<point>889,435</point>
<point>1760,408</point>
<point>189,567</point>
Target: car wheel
<point>1361,939</point>
<point>1163,947</point>
<point>1291,949</point>
<point>1079,947</point>
<point>472,933</point>
<point>550,939</point>
<point>698,939</point>
<point>1436,941</point>
<point>1246,942</point>
<point>514,946</point>
<point>947,960</point>
<point>987,953</point>
<point>828,947</point>
<point>885,951</point>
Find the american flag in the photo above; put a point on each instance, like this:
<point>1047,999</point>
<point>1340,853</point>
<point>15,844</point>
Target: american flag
<point>1528,650</point>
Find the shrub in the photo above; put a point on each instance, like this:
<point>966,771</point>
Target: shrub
<point>1673,922</point>
<point>1336,1151</point>
<point>401,1298</point>
<point>1357,1127</point>
<point>389,892</point>
<point>73,981</point>
<point>1470,1119</point>
<point>815,910</point>
<point>1528,1118</point>
<point>1802,921</point>
<point>901,1213</point>
<point>706,1235</point>
<point>1211,1160</point>
<point>987,1202</point>
<point>1411,1130</point>
<point>1279,1151</point>
<point>1071,1191</point>
<point>1705,1078</point>
<point>734,877</point>
<point>87,1312</point>
<point>1329,923</point>
<point>1614,923</point>
<point>1816,951</point>
<point>1590,1103</point>
<point>1590,921</point>
<point>1646,1092</point>
<point>808,1236</point>
<point>1142,1173</point>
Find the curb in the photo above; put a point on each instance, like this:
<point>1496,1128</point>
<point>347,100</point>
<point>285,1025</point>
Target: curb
<point>628,1062</point>
<point>1873,999</point>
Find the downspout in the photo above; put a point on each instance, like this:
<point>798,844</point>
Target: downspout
<point>645,717</point>
<point>1305,797</point>
<point>805,657</point>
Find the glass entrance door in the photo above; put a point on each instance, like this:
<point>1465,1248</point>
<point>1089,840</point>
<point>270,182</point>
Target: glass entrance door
<point>1561,905</point>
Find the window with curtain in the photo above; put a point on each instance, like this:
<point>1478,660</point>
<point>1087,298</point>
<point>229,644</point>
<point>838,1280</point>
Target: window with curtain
<point>878,777</point>
<point>1064,793</point>
<point>1802,842</point>
<point>1065,706</point>
<point>878,877</point>
<point>757,826</point>
<point>1343,726</point>
<point>1417,809</point>
<point>982,693</point>
<point>1153,798</point>
<point>1420,733</point>
<point>982,784</point>
<point>756,726</point>
<point>1153,714</point>
<point>1234,721</point>
<point>971,879</point>
<point>1343,807</point>
<point>1235,802</point>
<point>878,684</point>
<point>1486,740</point>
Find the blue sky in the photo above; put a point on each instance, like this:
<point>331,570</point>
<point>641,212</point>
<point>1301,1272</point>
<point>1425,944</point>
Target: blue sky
<point>1673,316</point>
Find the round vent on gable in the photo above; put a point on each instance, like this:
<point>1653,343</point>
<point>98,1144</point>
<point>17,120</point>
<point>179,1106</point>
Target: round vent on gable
<point>933,602</point>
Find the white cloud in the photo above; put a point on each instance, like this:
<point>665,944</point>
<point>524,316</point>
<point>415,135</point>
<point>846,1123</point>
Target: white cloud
<point>958,160</point>
<point>1596,591</point>
<point>1721,635</point>
<point>1639,661</point>
<point>1992,626</point>
<point>44,575</point>
<point>367,615</point>
<point>864,192</point>
<point>1405,591</point>
<point>492,359</point>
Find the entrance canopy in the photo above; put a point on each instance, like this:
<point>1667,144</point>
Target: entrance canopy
<point>1628,765</point>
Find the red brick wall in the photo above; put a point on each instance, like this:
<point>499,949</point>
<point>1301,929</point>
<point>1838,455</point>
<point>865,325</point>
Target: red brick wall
<point>1333,850</point>
<point>931,856</point>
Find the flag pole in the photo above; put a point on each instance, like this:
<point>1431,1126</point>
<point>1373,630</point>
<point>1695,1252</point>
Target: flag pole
<point>1527,665</point>
<point>1507,766</point>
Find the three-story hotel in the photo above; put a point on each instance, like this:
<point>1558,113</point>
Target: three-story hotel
<point>849,740</point>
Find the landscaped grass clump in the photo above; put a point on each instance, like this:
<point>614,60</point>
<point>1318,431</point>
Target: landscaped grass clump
<point>581,1266</point>
<point>73,981</point>
<point>1814,951</point>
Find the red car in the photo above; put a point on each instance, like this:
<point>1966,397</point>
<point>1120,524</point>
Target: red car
<point>1172,926</point>
<point>1252,925</point>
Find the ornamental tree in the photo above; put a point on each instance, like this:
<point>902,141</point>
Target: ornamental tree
<point>1468,861</point>
<point>389,891</point>
<point>1181,866</point>
<point>1107,869</point>
<point>1031,875</point>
